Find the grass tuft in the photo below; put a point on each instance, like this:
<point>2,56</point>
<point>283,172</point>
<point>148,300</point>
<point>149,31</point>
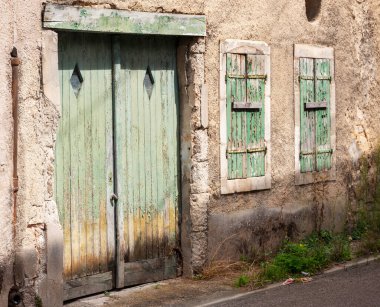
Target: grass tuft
<point>242,281</point>
<point>311,255</point>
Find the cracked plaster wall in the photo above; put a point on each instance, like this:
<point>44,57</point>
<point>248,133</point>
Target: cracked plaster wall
<point>6,226</point>
<point>38,118</point>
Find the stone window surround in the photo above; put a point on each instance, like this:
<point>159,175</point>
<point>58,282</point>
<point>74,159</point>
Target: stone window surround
<point>320,52</point>
<point>253,183</point>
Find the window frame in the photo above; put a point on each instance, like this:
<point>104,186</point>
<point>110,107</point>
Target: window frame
<point>251,183</point>
<point>313,52</point>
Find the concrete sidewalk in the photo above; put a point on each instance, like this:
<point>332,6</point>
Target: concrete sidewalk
<point>187,292</point>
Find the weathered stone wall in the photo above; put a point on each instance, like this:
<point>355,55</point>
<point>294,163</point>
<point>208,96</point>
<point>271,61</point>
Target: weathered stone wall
<point>290,210</point>
<point>38,118</point>
<point>6,226</point>
<point>240,220</point>
<point>194,154</point>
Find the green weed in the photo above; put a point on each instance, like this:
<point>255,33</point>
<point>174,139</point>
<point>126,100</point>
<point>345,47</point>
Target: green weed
<point>310,255</point>
<point>38,301</point>
<point>242,281</point>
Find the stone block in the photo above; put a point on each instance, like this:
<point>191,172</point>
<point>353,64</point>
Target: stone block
<point>50,78</point>
<point>199,178</point>
<point>30,263</point>
<point>204,106</point>
<point>54,265</point>
<point>197,64</point>
<point>19,267</point>
<point>199,211</point>
<point>200,145</point>
<point>198,46</point>
<point>26,264</point>
<point>199,250</point>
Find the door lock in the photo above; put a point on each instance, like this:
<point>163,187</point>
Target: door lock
<point>114,197</point>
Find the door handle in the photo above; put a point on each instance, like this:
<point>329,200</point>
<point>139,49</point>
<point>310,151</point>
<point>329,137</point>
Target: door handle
<point>114,197</point>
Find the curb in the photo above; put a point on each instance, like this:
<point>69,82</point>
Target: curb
<point>351,264</point>
<point>337,268</point>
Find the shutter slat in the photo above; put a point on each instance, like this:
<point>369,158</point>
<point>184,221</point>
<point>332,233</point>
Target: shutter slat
<point>236,88</point>
<point>307,116</point>
<point>323,144</point>
<point>256,119</point>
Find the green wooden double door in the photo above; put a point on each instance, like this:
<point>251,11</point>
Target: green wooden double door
<point>117,161</point>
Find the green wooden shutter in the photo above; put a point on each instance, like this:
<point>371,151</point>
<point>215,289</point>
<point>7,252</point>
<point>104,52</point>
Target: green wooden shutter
<point>245,115</point>
<point>315,81</point>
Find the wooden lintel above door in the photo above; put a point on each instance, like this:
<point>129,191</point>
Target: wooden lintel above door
<point>84,19</point>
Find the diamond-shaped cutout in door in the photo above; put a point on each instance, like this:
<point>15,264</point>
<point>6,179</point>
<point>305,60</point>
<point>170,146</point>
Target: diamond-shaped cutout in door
<point>76,80</point>
<point>149,82</point>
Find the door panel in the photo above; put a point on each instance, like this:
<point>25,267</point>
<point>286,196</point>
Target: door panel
<point>147,160</point>
<point>118,135</point>
<point>84,178</point>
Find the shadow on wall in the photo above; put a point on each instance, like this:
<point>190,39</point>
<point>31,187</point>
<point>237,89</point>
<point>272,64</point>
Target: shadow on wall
<point>253,233</point>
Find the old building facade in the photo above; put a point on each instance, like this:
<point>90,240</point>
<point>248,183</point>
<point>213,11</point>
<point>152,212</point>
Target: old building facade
<point>154,138</point>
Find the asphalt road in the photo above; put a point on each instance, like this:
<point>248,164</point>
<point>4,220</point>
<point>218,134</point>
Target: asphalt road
<point>356,287</point>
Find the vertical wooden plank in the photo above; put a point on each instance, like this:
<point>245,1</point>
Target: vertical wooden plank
<point>323,126</point>
<point>126,186</point>
<point>59,158</point>
<point>135,253</point>
<point>65,139</point>
<point>240,141</point>
<point>233,132</point>
<point>173,136</point>
<point>120,158</point>
<point>89,156</point>
<point>243,116</point>
<point>82,97</point>
<point>154,56</point>
<point>142,144</point>
<point>96,163</point>
<point>165,149</point>
<point>177,164</point>
<point>229,116</point>
<point>148,102</point>
<point>123,150</point>
<point>110,227</point>
<point>256,118</point>
<point>234,120</point>
<point>236,67</point>
<point>130,187</point>
<point>104,108</point>
<point>177,169</point>
<point>307,156</point>
<point>74,209</point>
<point>160,154</point>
